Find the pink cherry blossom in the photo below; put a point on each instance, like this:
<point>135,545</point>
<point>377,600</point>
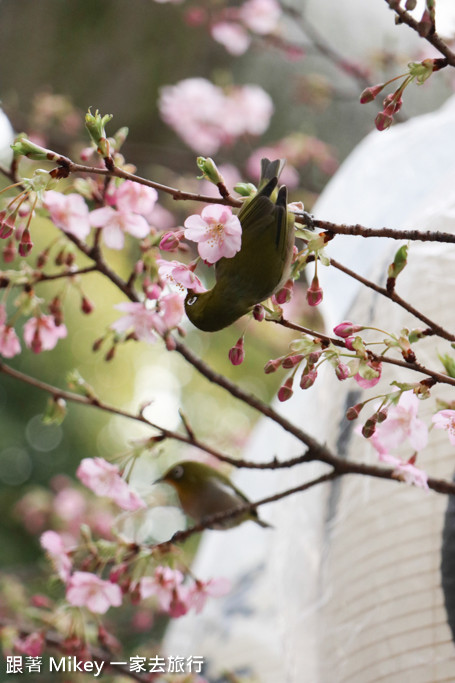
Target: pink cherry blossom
<point>201,590</point>
<point>445,419</point>
<point>42,334</point>
<point>69,212</point>
<point>144,322</point>
<point>261,16</point>
<point>133,197</point>
<point>232,36</point>
<point>248,109</point>
<point>194,109</point>
<point>406,471</point>
<point>88,590</point>
<point>114,224</point>
<point>104,479</point>
<point>180,275</point>
<point>400,425</point>
<point>166,584</point>
<point>217,231</point>
<point>138,318</point>
<point>206,118</point>
<point>53,544</point>
<point>9,342</point>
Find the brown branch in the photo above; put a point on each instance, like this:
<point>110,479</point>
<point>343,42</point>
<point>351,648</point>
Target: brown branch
<point>433,38</point>
<point>358,230</point>
<point>416,366</point>
<point>393,296</point>
<point>343,467</point>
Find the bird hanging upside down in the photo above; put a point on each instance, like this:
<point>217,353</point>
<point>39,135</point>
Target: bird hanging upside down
<point>261,266</point>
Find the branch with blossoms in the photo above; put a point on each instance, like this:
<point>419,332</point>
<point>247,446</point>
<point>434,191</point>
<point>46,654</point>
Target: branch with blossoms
<point>106,206</point>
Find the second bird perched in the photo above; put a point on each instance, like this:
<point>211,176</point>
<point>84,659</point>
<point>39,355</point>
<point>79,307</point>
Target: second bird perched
<point>203,491</point>
<point>261,266</point>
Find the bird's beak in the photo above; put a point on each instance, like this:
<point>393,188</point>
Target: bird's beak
<point>158,481</point>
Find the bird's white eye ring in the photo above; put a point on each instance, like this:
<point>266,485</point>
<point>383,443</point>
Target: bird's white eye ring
<point>192,300</point>
<point>178,472</point>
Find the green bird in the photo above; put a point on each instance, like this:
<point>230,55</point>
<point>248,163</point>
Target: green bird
<point>203,491</point>
<point>261,266</point>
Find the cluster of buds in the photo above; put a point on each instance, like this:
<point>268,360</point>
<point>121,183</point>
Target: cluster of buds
<point>392,103</point>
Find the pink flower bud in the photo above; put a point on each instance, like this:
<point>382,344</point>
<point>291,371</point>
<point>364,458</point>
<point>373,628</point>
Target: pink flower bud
<point>383,121</point>
<point>170,241</point>
<point>272,365</point>
<point>308,379</point>
<point>369,94</point>
<point>348,342</point>
<point>285,392</point>
<point>353,412</point>
<point>258,313</point>
<point>342,371</point>
<point>369,427</point>
<point>86,306</point>
<point>346,329</point>
<point>314,293</point>
<point>6,226</point>
<point>313,357</point>
<point>292,361</point>
<point>237,353</point>
<point>36,344</point>
<point>392,104</point>
<point>382,415</point>
<point>170,343</point>
<point>26,243</point>
<point>285,293</point>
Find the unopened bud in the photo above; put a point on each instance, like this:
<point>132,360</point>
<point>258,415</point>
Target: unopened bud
<point>285,293</point>
<point>285,392</point>
<point>342,371</point>
<point>292,361</point>
<point>6,225</point>
<point>111,353</point>
<point>383,121</point>
<point>42,259</point>
<point>369,427</point>
<point>346,329</point>
<point>209,171</point>
<point>381,415</point>
<point>353,412</point>
<point>26,244</point>
<point>272,365</point>
<point>369,94</point>
<point>170,241</point>
<point>308,379</point>
<point>86,306</point>
<point>258,313</point>
<point>97,344</point>
<point>314,293</point>
<point>237,353</point>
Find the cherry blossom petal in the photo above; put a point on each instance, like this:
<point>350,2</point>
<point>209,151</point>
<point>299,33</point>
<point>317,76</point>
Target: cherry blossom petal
<point>88,590</point>
<point>232,36</point>
<point>104,479</point>
<point>69,212</point>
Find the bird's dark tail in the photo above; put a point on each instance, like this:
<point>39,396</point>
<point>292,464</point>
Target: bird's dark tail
<point>269,170</point>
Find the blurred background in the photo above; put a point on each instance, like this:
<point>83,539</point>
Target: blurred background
<point>58,59</point>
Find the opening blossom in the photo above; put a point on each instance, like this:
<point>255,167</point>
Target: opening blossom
<point>88,590</point>
<point>217,231</point>
<point>104,479</point>
<point>401,423</point>
<point>179,274</point>
<point>406,471</point>
<point>42,334</point>
<point>115,224</point>
<point>445,419</point>
<point>145,322</point>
